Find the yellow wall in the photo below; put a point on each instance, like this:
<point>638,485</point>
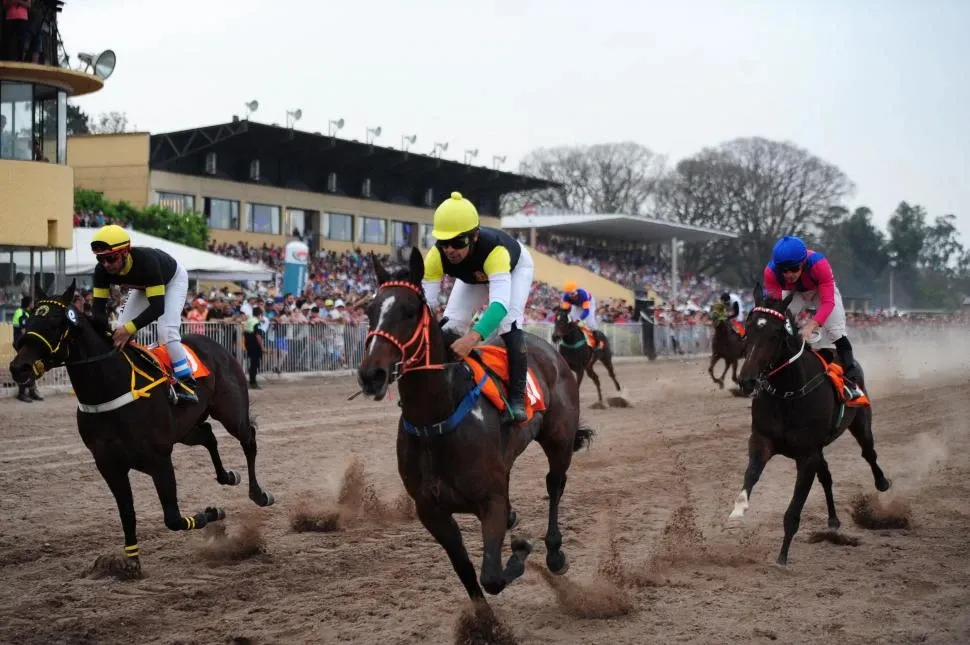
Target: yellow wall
<point>36,204</point>
<point>555,273</point>
<point>115,164</point>
<point>201,187</point>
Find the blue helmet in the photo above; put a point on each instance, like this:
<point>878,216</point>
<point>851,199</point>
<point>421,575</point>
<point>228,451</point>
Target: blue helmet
<point>789,251</point>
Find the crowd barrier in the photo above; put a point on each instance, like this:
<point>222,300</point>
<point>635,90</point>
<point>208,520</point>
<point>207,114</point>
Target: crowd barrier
<point>301,348</point>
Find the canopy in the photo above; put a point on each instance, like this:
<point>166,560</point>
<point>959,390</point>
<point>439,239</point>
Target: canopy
<point>201,265</point>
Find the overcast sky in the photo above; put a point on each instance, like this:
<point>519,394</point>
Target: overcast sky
<point>880,88</point>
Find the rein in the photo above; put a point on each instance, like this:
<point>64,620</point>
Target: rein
<point>763,379</point>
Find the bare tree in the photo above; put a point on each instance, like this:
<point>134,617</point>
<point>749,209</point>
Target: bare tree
<point>109,123</point>
<point>603,178</point>
<point>757,188</point>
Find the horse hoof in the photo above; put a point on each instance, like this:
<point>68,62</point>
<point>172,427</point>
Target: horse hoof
<point>513,520</point>
<point>834,523</point>
<point>599,405</point>
<point>522,547</point>
<point>884,485</point>
<point>213,514</point>
<point>265,499</point>
<point>232,478</point>
<point>557,563</point>
<point>782,560</point>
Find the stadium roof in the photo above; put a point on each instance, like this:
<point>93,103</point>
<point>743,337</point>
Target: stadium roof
<point>617,226</point>
<point>340,155</point>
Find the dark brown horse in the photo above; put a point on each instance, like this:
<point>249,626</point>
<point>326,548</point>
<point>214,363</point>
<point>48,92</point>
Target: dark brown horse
<point>727,345</point>
<point>126,416</point>
<point>576,350</point>
<point>797,412</point>
<point>454,449</point>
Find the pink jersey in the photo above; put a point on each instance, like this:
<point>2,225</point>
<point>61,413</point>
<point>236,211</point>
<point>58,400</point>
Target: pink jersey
<point>816,276</point>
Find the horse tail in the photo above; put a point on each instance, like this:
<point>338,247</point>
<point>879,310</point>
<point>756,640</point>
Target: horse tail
<point>584,437</point>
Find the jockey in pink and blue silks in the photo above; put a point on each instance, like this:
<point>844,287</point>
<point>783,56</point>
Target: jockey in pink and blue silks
<point>795,268</point>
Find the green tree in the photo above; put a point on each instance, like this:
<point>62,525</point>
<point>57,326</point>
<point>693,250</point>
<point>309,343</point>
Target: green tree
<point>857,250</point>
<point>78,122</point>
<point>189,228</point>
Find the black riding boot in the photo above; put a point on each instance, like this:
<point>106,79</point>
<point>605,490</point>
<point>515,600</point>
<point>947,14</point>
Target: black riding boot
<point>850,369</point>
<point>189,394</point>
<point>518,371</point>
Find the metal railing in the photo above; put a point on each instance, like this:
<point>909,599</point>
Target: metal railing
<point>302,348</point>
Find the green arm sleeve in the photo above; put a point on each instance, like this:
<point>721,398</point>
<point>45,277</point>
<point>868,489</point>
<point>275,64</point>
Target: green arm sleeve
<point>491,319</point>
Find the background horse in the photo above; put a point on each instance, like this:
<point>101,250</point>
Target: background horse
<point>137,427</point>
<point>797,412</point>
<point>727,344</point>
<point>455,451</point>
<point>580,356</point>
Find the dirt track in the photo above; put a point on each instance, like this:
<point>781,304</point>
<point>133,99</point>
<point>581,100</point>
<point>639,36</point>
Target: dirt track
<point>645,520</point>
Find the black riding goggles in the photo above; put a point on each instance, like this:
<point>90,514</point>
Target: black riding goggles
<point>459,242</point>
<point>108,258</point>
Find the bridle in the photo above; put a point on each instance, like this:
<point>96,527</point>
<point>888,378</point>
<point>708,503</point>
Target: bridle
<point>420,358</point>
<point>782,317</point>
<point>52,359</point>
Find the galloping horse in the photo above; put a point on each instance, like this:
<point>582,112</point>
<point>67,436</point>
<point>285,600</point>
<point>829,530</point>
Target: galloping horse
<point>127,427</point>
<point>575,348</point>
<point>455,451</point>
<point>801,407</point>
<point>727,344</point>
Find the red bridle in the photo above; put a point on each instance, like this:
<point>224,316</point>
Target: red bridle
<point>780,316</point>
<point>419,339</point>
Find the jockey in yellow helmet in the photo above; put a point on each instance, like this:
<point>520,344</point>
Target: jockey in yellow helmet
<point>158,286</point>
<point>490,268</point>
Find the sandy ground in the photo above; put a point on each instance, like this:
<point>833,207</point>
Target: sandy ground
<point>645,517</point>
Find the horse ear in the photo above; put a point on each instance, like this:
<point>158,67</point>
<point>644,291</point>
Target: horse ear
<point>68,295</point>
<point>759,294</point>
<point>379,270</point>
<point>787,301</point>
<point>416,266</point>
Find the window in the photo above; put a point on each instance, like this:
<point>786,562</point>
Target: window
<point>427,240</point>
<point>339,227</point>
<point>297,221</point>
<point>32,123</point>
<point>221,213</point>
<point>178,202</point>
<point>401,233</point>
<point>263,218</point>
<point>372,230</point>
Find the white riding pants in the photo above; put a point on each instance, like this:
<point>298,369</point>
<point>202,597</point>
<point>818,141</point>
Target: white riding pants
<point>575,312</point>
<point>835,326</point>
<point>170,322</point>
<point>467,299</point>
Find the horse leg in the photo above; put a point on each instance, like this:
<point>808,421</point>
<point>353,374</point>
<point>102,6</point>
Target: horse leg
<point>804,479</point>
<point>825,479</point>
<point>727,365</point>
<point>734,372</point>
<point>861,429</point>
<point>596,382</point>
<point>444,529</point>
<point>559,457</point>
<point>234,416</point>
<point>759,452</point>
<point>116,477</point>
<point>202,435</point>
<point>164,477</point>
<point>494,519</point>
<point>710,368</point>
<point>607,360</point>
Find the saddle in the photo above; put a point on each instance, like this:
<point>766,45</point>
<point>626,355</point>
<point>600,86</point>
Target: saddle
<point>489,365</point>
<point>591,339</point>
<point>852,397</point>
<point>156,358</point>
<point>738,327</point>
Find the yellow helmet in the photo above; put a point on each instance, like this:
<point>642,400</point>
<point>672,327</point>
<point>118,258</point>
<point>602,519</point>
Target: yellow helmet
<point>455,215</point>
<point>109,239</point>
<point>570,286</point>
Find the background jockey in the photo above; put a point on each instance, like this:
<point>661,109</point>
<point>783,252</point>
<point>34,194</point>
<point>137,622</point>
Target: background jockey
<point>733,307</point>
<point>793,267</point>
<point>580,304</point>
<point>157,285</point>
<point>490,267</point>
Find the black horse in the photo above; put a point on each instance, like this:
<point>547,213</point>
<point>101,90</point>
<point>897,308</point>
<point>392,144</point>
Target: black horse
<point>577,351</point>
<point>796,413</point>
<point>728,344</point>
<point>455,450</point>
<point>127,427</point>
